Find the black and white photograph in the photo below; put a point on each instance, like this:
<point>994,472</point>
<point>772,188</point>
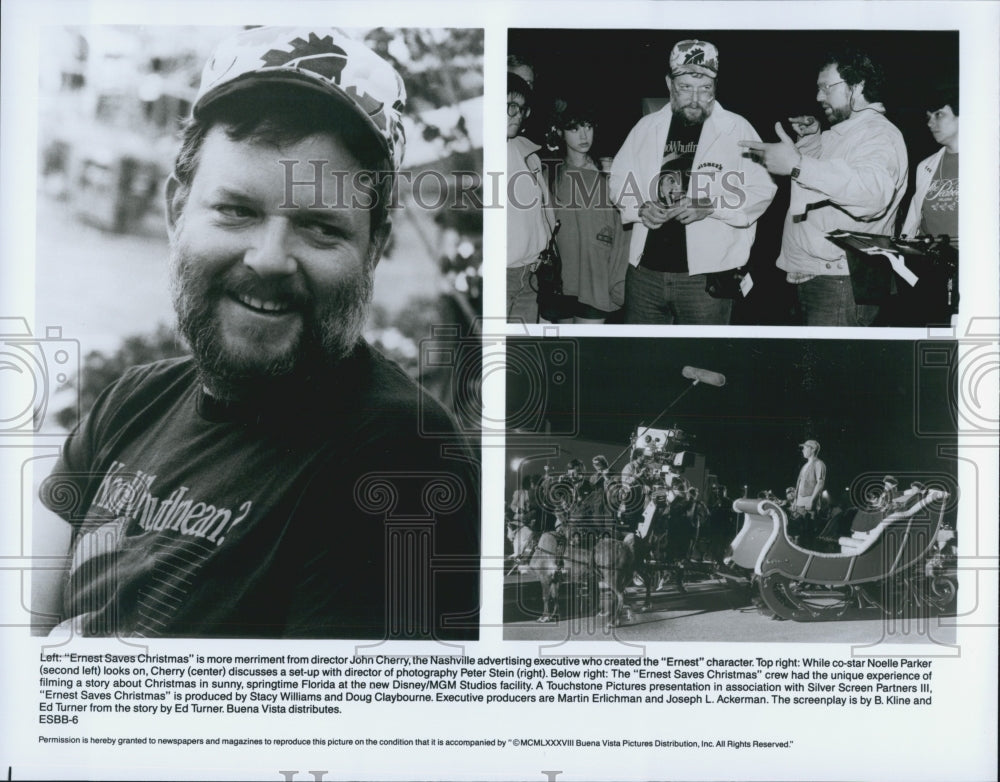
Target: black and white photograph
<point>251,451</point>
<point>750,177</point>
<point>296,484</point>
<point>760,490</point>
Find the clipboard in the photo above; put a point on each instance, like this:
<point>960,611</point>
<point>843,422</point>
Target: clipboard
<point>874,276</point>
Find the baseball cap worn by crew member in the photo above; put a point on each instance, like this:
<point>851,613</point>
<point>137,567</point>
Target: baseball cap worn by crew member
<point>325,60</point>
<point>812,444</point>
<point>694,56</point>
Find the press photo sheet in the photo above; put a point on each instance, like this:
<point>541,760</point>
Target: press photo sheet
<point>752,550</point>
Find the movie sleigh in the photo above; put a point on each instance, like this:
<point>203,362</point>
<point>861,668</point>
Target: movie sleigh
<point>652,528</point>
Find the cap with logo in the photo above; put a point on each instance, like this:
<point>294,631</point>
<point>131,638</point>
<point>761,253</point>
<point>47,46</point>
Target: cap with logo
<point>325,60</point>
<point>693,56</point>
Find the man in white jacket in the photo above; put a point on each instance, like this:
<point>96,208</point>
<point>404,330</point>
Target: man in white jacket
<point>851,177</point>
<point>693,195</point>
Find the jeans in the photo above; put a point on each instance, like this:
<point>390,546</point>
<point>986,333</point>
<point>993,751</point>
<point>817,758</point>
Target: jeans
<point>672,298</point>
<point>829,301</point>
<point>522,300</point>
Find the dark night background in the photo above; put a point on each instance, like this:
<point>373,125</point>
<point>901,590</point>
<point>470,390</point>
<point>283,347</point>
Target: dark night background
<point>764,75</point>
<point>875,406</point>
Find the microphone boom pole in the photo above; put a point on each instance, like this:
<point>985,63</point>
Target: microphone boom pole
<point>691,373</point>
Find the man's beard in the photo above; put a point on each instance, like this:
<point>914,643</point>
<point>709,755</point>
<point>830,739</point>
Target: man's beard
<point>838,114</point>
<point>329,329</point>
<point>691,115</point>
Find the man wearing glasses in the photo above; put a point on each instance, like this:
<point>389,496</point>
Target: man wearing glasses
<point>851,177</point>
<point>529,220</point>
<point>682,178</point>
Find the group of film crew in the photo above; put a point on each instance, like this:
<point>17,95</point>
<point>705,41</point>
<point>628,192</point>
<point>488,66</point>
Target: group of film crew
<point>659,233</point>
<point>652,499</point>
<point>646,497</point>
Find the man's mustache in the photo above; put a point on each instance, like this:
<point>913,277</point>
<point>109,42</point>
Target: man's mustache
<point>247,283</point>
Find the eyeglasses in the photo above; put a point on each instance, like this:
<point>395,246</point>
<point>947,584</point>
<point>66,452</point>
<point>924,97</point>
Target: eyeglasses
<point>707,90</point>
<point>514,108</point>
<point>824,89</point>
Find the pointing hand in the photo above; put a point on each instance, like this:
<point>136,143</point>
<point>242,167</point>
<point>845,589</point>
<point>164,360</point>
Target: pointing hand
<point>778,158</point>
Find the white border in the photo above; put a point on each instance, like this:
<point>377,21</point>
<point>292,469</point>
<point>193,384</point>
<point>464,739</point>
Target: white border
<point>955,741</point>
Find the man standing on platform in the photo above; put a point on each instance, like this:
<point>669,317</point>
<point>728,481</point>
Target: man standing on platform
<point>808,488</point>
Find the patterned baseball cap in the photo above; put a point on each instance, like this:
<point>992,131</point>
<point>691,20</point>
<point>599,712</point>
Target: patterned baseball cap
<point>699,57</point>
<point>325,60</point>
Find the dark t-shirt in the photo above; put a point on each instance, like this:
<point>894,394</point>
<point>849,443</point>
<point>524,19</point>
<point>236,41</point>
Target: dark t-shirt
<point>351,511</point>
<point>666,247</point>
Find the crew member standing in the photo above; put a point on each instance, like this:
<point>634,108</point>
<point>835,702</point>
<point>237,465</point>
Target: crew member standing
<point>695,198</point>
<point>851,177</point>
<point>808,488</point>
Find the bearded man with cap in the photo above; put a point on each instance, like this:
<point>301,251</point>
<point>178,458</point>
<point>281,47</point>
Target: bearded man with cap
<point>692,194</point>
<point>267,485</point>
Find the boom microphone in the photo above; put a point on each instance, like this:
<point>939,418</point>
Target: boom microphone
<point>704,376</point>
